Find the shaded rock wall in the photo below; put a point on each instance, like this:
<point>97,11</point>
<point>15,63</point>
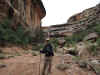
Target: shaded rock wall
<point>3,10</point>
<point>29,14</point>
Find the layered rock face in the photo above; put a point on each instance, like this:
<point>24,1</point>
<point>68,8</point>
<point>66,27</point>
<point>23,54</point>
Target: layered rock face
<point>82,20</point>
<point>78,22</point>
<point>26,12</point>
<point>3,10</point>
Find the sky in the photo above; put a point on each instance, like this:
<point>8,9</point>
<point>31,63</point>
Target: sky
<point>58,11</point>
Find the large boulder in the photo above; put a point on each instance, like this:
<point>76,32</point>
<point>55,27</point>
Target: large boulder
<point>81,47</point>
<point>91,36</point>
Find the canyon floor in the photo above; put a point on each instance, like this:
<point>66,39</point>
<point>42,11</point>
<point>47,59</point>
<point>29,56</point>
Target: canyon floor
<point>29,65</point>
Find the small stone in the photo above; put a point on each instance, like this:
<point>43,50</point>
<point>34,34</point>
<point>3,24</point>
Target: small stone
<point>82,64</point>
<point>2,65</point>
<point>95,61</point>
<point>62,67</point>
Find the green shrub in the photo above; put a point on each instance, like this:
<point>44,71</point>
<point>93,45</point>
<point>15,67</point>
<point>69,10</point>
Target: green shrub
<point>93,50</point>
<point>97,28</point>
<point>79,36</point>
<point>76,58</point>
<point>37,47</point>
<point>10,56</point>
<point>94,28</point>
<point>17,54</point>
<point>98,42</point>
<point>2,56</point>
<point>68,40</point>
<point>18,36</point>
<point>34,54</point>
<point>76,37</point>
<point>54,42</point>
<point>40,46</point>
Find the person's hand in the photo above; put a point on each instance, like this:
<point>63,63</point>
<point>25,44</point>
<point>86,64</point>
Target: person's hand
<point>40,51</point>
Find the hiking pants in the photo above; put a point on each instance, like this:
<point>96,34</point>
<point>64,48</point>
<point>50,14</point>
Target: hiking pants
<point>47,65</point>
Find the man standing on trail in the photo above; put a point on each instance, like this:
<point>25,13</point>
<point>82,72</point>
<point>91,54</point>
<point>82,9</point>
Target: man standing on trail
<point>48,51</point>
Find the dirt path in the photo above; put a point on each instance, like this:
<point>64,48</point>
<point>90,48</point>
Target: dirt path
<point>29,65</point>
<point>26,65</point>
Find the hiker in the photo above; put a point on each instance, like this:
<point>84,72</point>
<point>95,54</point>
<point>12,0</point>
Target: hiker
<point>48,51</point>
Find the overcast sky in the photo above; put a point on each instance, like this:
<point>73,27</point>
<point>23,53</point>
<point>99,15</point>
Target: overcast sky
<point>58,11</point>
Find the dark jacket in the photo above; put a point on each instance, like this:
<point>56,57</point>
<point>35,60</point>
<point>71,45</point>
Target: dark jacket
<point>47,50</point>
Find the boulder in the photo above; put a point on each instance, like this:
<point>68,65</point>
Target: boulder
<point>71,51</point>
<point>2,65</point>
<point>91,36</point>
<point>81,47</point>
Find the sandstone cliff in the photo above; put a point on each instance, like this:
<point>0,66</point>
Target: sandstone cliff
<point>78,22</point>
<point>3,10</point>
<point>26,12</point>
<point>88,17</point>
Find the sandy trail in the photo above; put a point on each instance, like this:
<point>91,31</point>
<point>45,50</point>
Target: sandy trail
<point>27,65</point>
